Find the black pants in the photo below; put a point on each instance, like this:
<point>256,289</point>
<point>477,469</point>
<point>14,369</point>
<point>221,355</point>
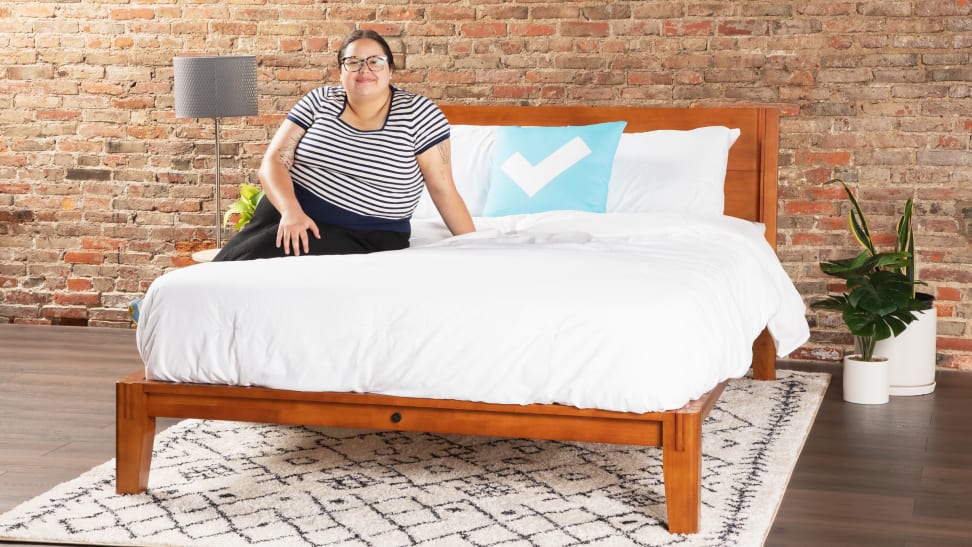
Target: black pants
<point>258,239</point>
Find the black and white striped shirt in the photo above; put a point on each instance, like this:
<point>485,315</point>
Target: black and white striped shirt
<point>372,175</point>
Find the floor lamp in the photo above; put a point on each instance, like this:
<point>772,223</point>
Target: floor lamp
<point>215,87</point>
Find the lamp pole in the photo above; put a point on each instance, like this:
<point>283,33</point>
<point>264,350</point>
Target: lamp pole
<point>219,216</point>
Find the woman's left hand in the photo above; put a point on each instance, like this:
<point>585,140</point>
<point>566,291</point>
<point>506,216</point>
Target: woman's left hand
<point>292,232</point>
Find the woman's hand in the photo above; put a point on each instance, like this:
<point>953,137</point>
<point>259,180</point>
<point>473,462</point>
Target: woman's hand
<point>292,232</point>
<point>275,175</point>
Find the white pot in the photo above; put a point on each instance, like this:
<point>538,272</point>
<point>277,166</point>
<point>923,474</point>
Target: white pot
<point>911,356</point>
<point>866,382</point>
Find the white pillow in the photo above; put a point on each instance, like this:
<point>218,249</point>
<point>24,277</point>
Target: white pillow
<point>669,170</point>
<point>472,163</point>
<point>664,170</point>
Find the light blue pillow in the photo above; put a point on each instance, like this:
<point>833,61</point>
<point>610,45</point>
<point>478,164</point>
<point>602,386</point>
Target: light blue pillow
<point>537,169</point>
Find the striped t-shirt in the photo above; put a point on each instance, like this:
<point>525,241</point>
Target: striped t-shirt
<point>366,180</point>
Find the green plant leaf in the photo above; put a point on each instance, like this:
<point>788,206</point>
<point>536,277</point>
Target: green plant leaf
<point>906,239</point>
<point>863,264</point>
<point>834,302</point>
<point>250,196</point>
<point>858,224</point>
<point>905,242</point>
<point>862,323</point>
<point>248,192</point>
<point>879,302</point>
<point>234,208</point>
<point>897,323</point>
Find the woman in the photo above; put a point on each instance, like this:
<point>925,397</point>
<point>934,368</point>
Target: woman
<point>347,167</point>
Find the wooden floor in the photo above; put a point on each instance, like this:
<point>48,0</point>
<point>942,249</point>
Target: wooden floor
<point>891,475</point>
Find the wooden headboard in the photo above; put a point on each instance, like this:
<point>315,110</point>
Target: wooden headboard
<point>751,177</point>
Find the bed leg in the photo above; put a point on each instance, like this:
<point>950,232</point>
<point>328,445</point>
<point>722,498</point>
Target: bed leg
<point>682,464</point>
<point>764,357</point>
<point>134,437</point>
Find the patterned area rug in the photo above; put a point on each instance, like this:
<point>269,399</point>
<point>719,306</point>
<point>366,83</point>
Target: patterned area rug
<point>230,483</point>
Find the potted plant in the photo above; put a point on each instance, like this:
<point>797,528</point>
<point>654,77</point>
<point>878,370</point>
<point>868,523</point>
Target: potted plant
<point>243,208</point>
<point>879,303</point>
<point>911,354</point>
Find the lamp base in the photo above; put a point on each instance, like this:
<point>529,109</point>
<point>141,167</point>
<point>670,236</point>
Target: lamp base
<point>206,255</point>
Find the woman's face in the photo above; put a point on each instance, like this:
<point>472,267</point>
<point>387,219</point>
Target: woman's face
<point>366,82</point>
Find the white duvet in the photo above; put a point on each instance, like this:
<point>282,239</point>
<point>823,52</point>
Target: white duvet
<point>627,312</point>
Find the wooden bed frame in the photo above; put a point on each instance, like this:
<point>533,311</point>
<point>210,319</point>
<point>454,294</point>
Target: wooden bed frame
<point>751,182</point>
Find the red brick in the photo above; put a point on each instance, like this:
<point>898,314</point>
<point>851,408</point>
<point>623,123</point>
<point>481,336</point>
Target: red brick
<point>58,115</point>
<point>939,274</point>
<point>949,293</point>
<point>316,44</point>
<point>134,102</point>
<point>453,13</point>
<point>304,74</point>
<point>16,217</point>
<point>402,13</point>
<point>810,208</point>
<point>593,28</point>
<point>679,28</point>
<point>84,257</point>
<point>483,30</point>
<point>77,298</point>
<point>810,239</point>
<point>451,77</point>
<point>290,45</point>
<point>514,91</point>
<point>102,243</point>
<point>124,14</point>
<point>234,29</point>
<point>532,29</point>
<point>13,160</point>
<point>829,159</point>
<point>64,312</point>
<point>26,297</point>
<point>76,284</point>
<point>731,28</point>
<point>944,310</point>
<point>385,29</point>
<point>954,344</point>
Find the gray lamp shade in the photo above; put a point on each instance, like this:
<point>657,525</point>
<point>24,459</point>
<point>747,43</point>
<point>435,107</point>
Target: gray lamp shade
<point>215,87</point>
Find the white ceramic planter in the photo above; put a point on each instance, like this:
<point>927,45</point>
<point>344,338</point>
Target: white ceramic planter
<point>866,382</point>
<point>911,356</point>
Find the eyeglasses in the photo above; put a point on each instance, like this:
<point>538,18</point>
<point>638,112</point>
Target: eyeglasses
<point>375,63</point>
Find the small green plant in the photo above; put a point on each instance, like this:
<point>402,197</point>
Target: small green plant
<point>880,298</point>
<point>250,196</point>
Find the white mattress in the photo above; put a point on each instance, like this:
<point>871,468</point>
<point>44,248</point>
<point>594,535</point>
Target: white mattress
<point>627,312</point>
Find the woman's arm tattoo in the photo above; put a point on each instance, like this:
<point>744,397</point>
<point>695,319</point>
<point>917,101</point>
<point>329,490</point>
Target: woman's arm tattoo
<point>288,151</point>
<point>445,151</point>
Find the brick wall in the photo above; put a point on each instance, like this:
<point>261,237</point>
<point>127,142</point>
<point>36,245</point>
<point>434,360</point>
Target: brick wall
<point>102,189</point>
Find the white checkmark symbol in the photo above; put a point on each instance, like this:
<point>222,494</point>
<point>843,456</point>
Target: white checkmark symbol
<point>532,178</point>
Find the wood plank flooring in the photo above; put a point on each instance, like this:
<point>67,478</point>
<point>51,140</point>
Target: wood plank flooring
<point>891,475</point>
